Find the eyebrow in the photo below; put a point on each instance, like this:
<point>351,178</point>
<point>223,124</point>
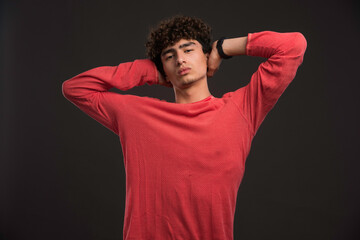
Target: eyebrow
<point>181,46</point>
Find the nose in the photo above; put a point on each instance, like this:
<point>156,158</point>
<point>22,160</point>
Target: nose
<point>180,58</point>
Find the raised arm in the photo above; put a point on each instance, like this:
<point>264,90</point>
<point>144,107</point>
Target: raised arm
<point>89,90</point>
<point>285,53</point>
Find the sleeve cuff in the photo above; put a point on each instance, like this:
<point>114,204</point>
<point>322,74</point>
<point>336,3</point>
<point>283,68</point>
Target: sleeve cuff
<point>248,44</point>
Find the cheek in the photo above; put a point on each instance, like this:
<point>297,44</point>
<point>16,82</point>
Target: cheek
<point>169,71</point>
<point>203,63</point>
<point>166,68</point>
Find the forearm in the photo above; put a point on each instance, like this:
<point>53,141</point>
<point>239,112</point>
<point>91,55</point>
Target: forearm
<point>123,77</point>
<point>268,44</point>
<point>235,46</point>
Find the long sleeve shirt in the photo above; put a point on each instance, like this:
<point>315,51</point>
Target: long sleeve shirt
<point>184,162</point>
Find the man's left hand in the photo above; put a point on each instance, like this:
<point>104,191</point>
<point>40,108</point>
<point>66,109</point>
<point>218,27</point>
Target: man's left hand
<point>214,61</point>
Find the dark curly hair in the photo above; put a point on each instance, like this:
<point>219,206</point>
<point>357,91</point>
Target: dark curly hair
<point>170,31</point>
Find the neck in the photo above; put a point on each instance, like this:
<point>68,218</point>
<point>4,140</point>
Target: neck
<point>197,91</point>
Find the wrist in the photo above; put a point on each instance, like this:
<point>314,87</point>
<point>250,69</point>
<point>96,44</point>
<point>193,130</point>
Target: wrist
<point>220,49</point>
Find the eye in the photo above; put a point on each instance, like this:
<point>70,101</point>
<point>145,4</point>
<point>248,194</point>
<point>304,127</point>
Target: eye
<point>168,57</point>
<point>188,50</point>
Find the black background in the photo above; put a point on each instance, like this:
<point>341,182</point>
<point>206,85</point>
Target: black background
<point>62,173</point>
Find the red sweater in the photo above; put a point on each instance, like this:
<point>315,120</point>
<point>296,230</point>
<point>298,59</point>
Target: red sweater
<point>184,162</point>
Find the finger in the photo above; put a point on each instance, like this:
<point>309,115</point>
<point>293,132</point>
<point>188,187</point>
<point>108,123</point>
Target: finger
<point>210,73</point>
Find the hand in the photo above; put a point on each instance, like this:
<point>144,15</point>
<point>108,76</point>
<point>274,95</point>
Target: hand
<point>163,81</point>
<point>214,61</point>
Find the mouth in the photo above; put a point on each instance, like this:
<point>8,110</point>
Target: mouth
<point>184,71</point>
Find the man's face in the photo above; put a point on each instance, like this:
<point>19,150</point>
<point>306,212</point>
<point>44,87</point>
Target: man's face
<point>184,63</point>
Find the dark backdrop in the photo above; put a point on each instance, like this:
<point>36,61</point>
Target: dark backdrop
<point>62,174</point>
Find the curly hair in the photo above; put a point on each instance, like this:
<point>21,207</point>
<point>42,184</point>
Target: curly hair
<point>170,31</point>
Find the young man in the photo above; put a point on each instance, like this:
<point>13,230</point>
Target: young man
<point>184,161</point>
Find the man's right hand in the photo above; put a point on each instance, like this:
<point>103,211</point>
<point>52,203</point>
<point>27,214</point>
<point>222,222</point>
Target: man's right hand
<point>163,81</point>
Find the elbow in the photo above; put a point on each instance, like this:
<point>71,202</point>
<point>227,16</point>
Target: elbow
<point>294,46</point>
<point>66,89</point>
<point>299,44</point>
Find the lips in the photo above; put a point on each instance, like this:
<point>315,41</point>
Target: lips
<point>184,71</point>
